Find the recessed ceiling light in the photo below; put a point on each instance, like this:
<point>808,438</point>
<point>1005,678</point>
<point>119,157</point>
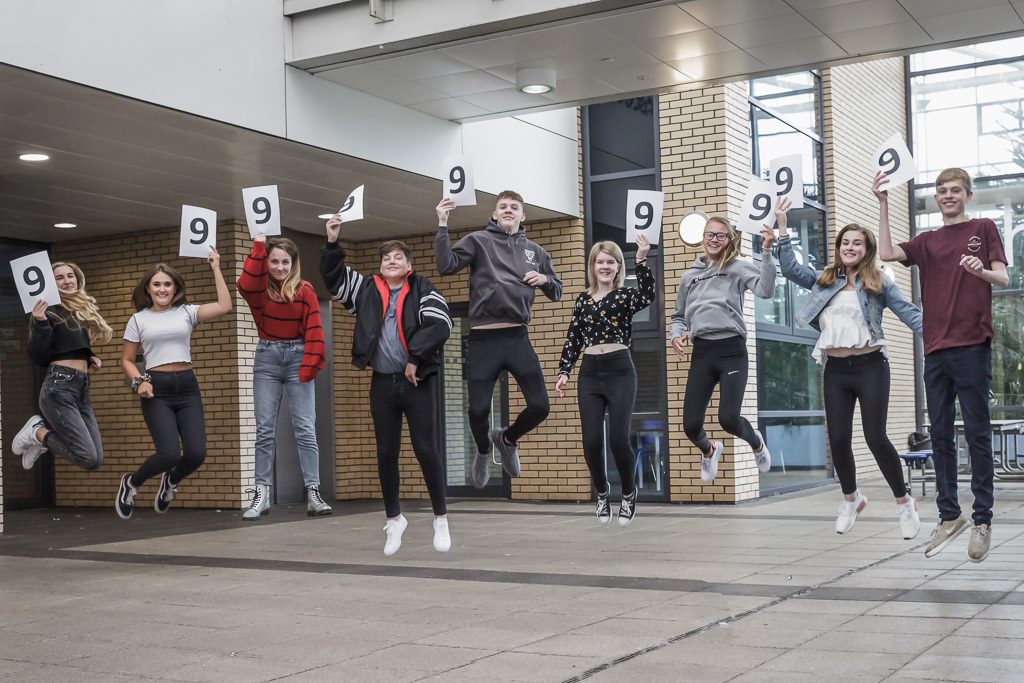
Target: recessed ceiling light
<point>643,77</point>
<point>34,156</point>
<point>326,216</point>
<point>535,80</point>
<point>65,225</point>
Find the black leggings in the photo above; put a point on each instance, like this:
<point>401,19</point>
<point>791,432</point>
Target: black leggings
<point>608,383</point>
<point>392,396</point>
<point>722,362</point>
<point>489,352</point>
<point>176,409</point>
<point>863,378</point>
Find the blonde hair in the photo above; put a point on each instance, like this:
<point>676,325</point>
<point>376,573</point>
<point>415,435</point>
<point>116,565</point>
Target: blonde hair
<point>285,290</point>
<point>954,173</point>
<point>867,270</point>
<point>82,307</point>
<point>612,250</point>
<point>732,243</point>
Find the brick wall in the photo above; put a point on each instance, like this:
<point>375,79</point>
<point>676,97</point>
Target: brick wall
<point>221,351</point>
<point>864,105</point>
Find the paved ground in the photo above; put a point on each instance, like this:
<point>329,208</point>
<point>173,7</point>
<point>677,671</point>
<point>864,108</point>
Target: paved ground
<point>758,592</point>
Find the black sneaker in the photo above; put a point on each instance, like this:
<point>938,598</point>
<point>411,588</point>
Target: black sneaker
<point>603,512</point>
<point>509,452</point>
<point>125,501</point>
<point>164,494</point>
<point>627,509</point>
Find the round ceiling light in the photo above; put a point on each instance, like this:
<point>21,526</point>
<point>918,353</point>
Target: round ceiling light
<point>65,225</point>
<point>535,80</point>
<point>691,228</point>
<point>326,216</point>
<point>34,156</point>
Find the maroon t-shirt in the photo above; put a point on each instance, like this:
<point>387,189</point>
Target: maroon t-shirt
<point>957,305</point>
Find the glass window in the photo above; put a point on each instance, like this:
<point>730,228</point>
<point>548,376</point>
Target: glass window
<point>788,377</point>
<point>967,54</point>
<point>622,136</point>
<point>774,138</point>
<point>794,97</point>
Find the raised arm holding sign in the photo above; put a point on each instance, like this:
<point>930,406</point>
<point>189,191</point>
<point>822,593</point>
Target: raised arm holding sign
<point>786,173</point>
<point>895,162</point>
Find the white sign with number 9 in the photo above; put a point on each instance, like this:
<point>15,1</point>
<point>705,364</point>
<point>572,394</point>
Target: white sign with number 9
<point>198,231</point>
<point>262,210</point>
<point>893,159</point>
<point>34,279</point>
<point>758,207</point>
<point>458,180</point>
<point>786,173</point>
<point>643,215</point>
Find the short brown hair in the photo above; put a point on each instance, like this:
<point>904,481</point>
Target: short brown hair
<point>954,173</point>
<point>509,194</point>
<point>391,245</point>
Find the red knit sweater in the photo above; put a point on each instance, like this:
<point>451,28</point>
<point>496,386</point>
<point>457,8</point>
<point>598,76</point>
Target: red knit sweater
<point>283,320</point>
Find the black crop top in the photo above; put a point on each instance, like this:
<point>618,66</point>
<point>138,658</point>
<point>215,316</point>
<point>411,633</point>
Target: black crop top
<point>60,337</point>
<point>608,321</point>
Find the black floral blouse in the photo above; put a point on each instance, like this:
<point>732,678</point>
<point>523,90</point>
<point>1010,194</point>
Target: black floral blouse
<point>608,320</point>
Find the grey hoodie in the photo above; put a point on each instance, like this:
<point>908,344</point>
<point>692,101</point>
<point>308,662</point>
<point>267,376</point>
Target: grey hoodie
<point>497,264</point>
<point>710,301</point>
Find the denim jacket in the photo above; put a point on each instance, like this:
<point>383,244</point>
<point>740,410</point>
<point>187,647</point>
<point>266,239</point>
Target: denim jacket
<point>872,305</point>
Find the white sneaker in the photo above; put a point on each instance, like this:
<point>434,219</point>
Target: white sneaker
<point>31,455</point>
<point>910,522</point>
<point>764,458</point>
<point>848,512</point>
<point>442,537</point>
<point>394,529</point>
<point>26,437</point>
<point>709,464</point>
<point>260,504</point>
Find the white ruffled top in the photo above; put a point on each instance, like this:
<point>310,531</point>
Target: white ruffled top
<point>843,327</point>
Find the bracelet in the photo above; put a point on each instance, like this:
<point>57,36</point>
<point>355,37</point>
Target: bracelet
<point>137,381</point>
<point>642,261</point>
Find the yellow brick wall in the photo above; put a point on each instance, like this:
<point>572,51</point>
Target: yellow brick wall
<point>221,351</point>
<point>864,105</point>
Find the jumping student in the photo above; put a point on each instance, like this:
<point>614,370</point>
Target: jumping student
<point>846,305</point>
<point>958,264</point>
<point>61,339</point>
<point>288,356</point>
<point>171,404</point>
<point>709,308</point>
<point>402,322</point>
<point>601,328</point>
<point>505,268</point>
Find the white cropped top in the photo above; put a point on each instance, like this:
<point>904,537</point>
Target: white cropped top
<point>843,326</point>
<point>165,336</point>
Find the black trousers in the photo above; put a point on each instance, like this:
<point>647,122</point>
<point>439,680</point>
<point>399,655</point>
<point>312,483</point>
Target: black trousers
<point>607,384</point>
<point>863,378</point>
<point>722,362</point>
<point>489,352</point>
<point>175,411</point>
<point>391,397</point>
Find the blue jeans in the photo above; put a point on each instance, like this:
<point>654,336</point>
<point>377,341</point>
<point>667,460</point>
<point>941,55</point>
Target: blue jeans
<point>276,372</point>
<point>963,373</point>
<point>64,404</point>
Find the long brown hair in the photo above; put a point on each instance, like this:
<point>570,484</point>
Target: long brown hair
<point>285,290</point>
<point>82,307</point>
<point>732,244</point>
<point>612,250</point>
<point>868,271</point>
<point>140,295</point>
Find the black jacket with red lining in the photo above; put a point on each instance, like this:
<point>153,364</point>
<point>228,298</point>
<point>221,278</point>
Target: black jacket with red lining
<point>424,323</point>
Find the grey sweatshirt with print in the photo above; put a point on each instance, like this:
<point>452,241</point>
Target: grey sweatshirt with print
<point>497,264</point>
<point>710,301</point>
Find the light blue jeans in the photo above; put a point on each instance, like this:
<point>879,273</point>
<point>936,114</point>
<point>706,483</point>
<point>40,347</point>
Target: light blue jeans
<point>276,372</point>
